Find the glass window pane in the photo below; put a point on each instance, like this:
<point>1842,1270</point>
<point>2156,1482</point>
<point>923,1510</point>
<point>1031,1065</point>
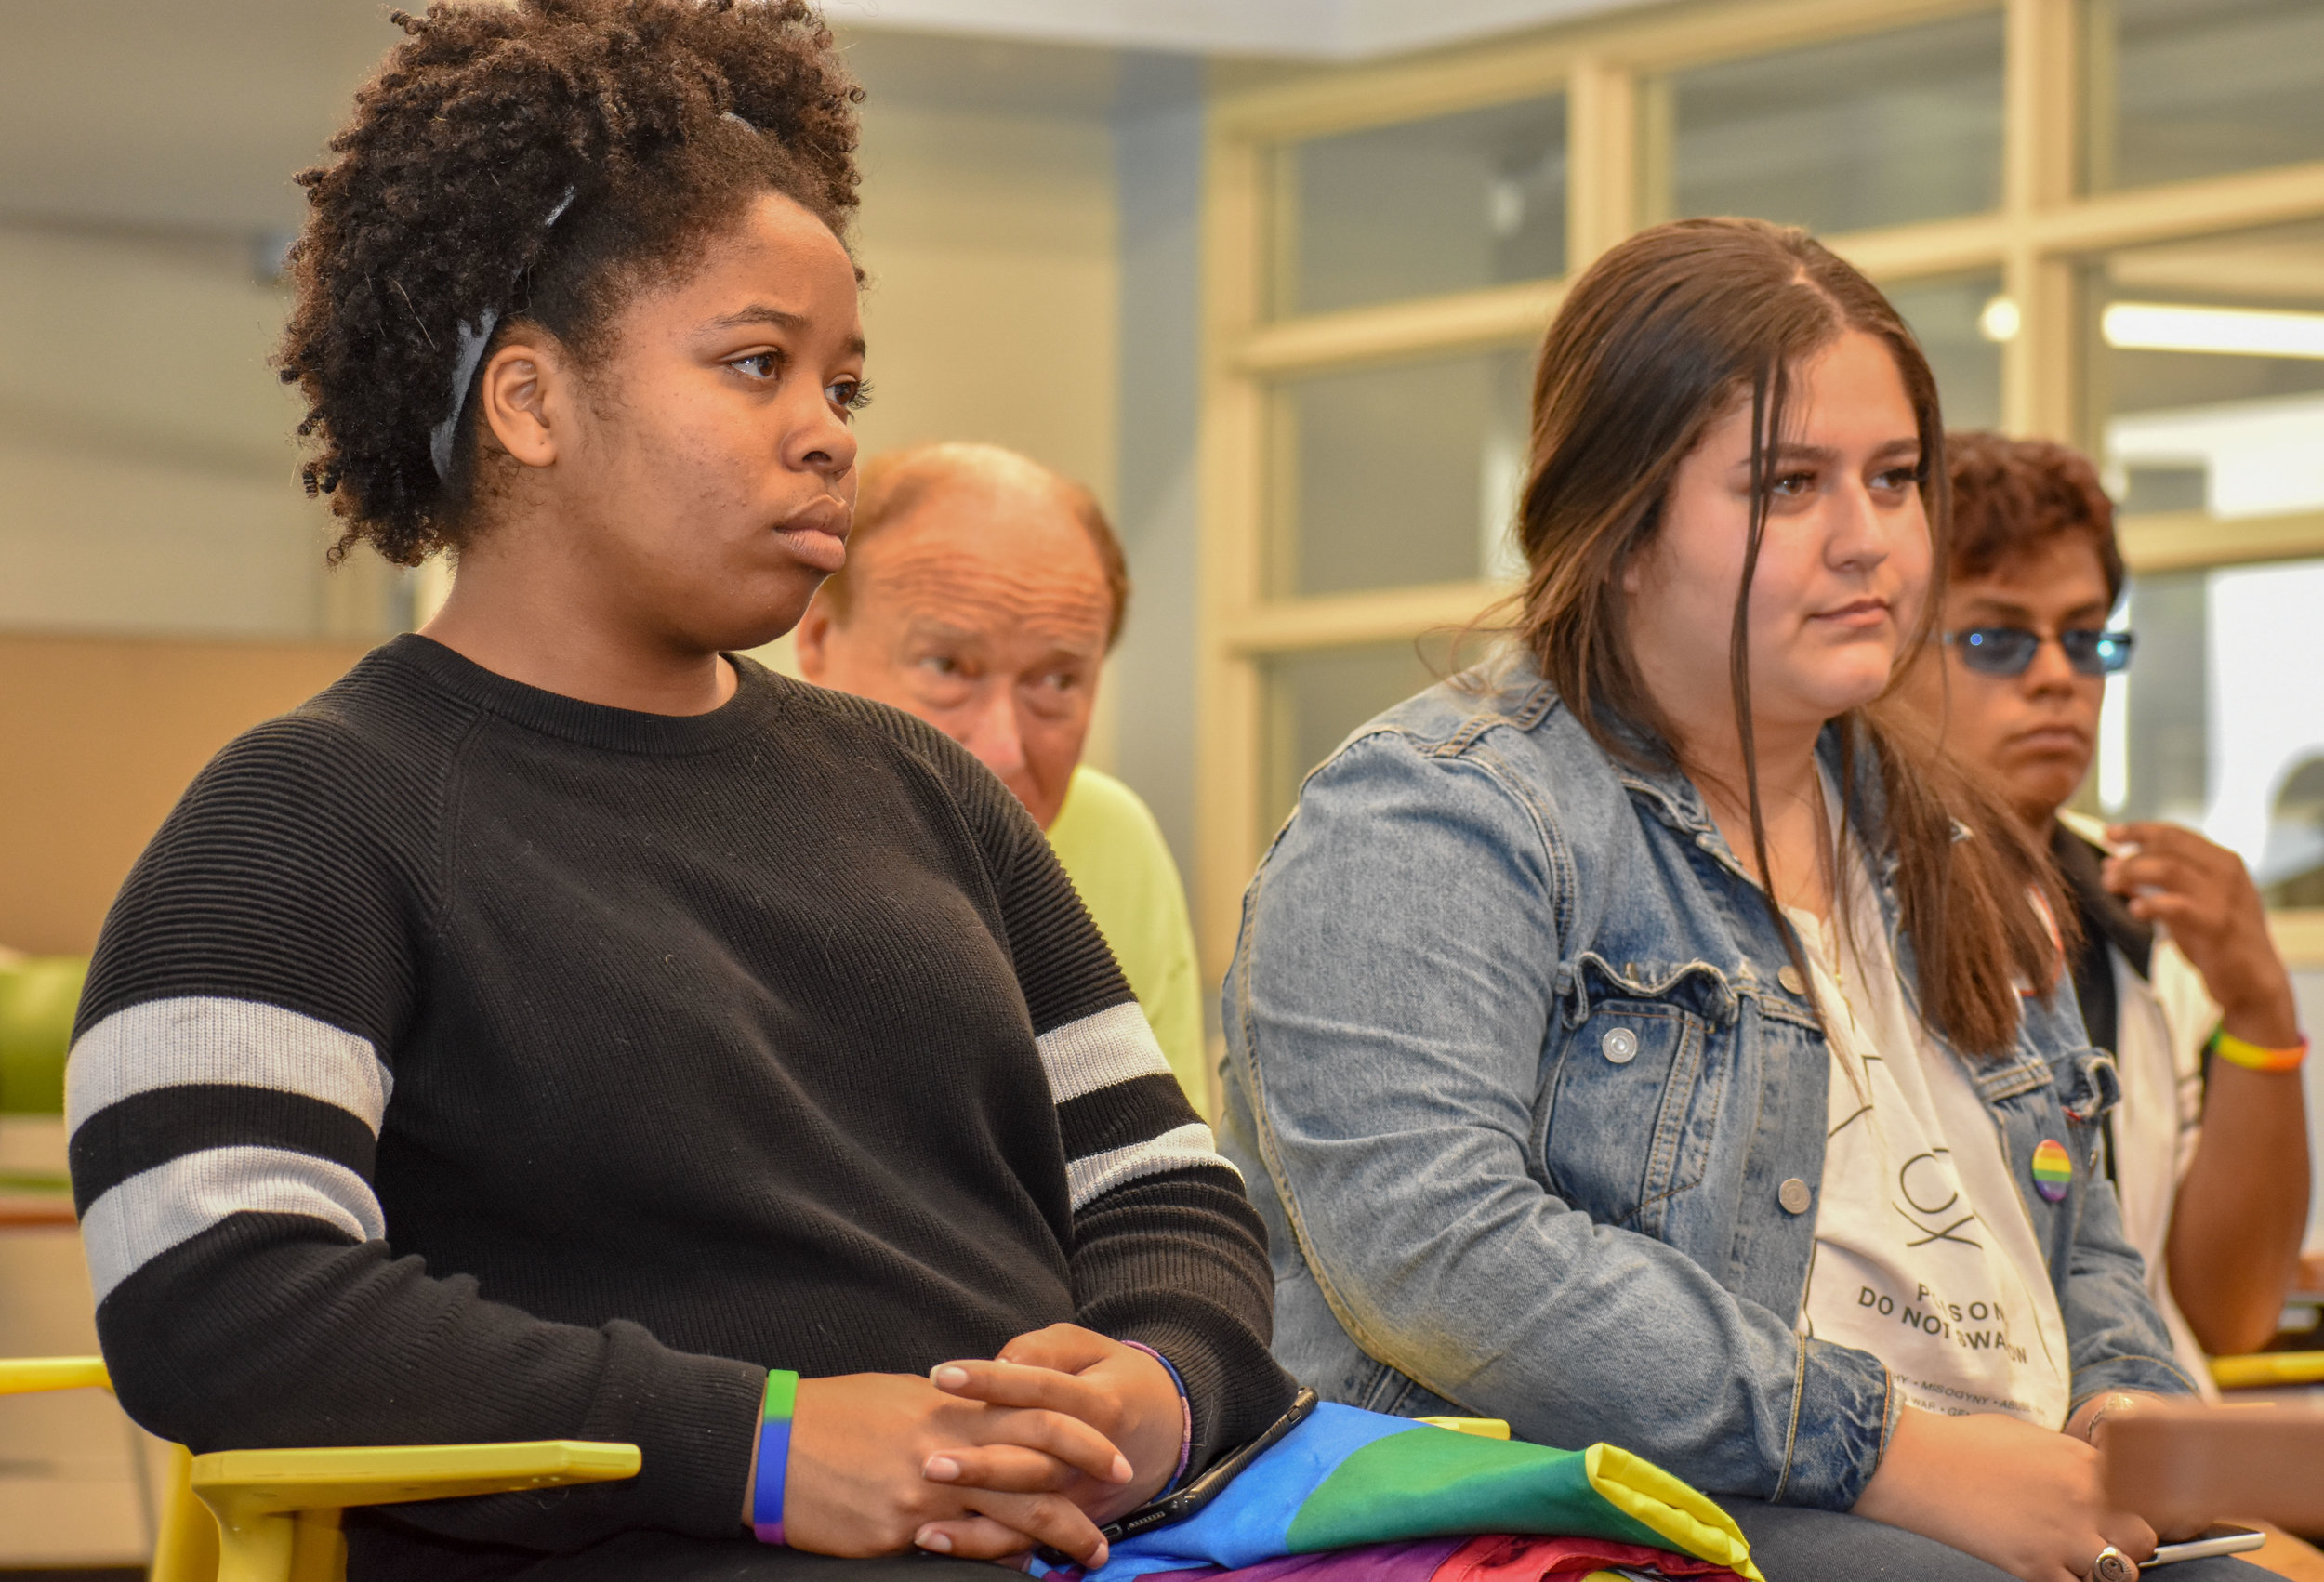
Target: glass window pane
<point>2182,88</point>
<point>1421,208</point>
<point>1315,698</point>
<point>1962,323</point>
<point>2207,373</point>
<point>1862,132</point>
<point>2219,722</point>
<point>2207,395</point>
<point>1402,475</point>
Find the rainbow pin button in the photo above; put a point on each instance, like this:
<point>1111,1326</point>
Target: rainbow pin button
<point>2053,1169</point>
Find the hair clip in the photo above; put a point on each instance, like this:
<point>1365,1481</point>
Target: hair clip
<point>473,339</point>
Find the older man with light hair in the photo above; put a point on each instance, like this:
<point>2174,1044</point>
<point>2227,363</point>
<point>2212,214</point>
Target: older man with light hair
<point>982,592</point>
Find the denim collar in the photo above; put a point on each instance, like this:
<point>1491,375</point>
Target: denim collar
<point>1675,800</point>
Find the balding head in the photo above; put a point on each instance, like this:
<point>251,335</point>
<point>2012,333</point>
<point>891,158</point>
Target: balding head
<point>895,484</point>
<point>982,593</point>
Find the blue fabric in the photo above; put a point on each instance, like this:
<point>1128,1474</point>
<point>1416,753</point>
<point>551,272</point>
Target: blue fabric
<point>1516,1087</point>
<point>1250,1519</point>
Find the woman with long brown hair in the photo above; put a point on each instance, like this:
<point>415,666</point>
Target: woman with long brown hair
<point>1647,1038</point>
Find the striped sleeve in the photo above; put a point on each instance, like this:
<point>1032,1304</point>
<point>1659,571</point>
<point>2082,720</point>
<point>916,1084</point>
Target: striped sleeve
<point>227,1056</point>
<point>186,1110</point>
<point>1168,1250</point>
<point>230,1072</point>
<point>1119,1108</point>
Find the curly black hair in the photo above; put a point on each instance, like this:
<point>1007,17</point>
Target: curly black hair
<point>537,160</point>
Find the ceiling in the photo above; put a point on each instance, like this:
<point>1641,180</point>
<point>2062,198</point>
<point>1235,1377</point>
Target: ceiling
<point>189,119</point>
<point>168,114</point>
<point>1311,30</point>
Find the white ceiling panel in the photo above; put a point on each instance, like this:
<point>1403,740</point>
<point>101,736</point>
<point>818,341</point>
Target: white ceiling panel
<point>1315,30</point>
<point>193,116</point>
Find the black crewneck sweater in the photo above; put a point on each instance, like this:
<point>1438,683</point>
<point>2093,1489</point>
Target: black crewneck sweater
<point>463,1061</point>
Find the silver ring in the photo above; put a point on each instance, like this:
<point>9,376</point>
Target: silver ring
<point>2112,1565</point>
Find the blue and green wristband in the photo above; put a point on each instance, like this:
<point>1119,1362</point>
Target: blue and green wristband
<point>774,1455</point>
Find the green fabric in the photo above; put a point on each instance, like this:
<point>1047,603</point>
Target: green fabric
<point>1433,1481</point>
<point>38,997</point>
<point>1113,851</point>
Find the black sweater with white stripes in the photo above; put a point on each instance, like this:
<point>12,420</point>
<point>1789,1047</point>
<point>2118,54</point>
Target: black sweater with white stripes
<point>463,1061</point>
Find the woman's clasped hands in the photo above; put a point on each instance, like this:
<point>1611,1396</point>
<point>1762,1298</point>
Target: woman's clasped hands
<point>1063,1430</point>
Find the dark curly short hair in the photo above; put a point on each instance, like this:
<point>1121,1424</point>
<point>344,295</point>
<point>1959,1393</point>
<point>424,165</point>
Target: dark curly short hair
<point>534,161</point>
<point>2012,497</point>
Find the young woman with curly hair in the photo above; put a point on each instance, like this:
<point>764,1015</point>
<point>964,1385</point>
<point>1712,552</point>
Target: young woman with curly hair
<point>562,1028</point>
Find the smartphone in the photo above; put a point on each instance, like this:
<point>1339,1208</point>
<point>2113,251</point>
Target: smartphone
<point>1202,1491</point>
<point>2221,1539</point>
<point>1195,1495</point>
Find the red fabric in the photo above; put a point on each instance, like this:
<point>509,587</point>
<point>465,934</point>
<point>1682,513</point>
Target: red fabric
<point>1502,1558</point>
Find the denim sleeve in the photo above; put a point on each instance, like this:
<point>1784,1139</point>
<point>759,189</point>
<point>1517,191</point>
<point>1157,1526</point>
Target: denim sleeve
<point>2116,1337</point>
<point>1387,1013</point>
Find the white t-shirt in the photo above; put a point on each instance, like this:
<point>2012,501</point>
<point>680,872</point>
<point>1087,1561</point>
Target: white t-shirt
<point>2161,1023</point>
<point>1924,1254</point>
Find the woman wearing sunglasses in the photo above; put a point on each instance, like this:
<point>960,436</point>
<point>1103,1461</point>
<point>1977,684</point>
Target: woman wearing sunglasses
<point>1650,1038</point>
<point>2175,972</point>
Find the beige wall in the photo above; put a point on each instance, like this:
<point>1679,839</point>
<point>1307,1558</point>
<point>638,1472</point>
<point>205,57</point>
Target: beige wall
<point>101,736</point>
<point>147,479</point>
<point>990,243</point>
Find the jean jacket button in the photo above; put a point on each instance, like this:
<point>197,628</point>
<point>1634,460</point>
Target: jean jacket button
<point>1789,976</point>
<point>1795,1196</point>
<point>1620,1045</point>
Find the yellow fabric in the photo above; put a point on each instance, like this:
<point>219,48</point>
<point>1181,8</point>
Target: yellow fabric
<point>1481,1428</point>
<point>1114,853</point>
<point>1660,1502</point>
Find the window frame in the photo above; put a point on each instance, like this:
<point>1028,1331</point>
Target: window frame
<point>2039,239</point>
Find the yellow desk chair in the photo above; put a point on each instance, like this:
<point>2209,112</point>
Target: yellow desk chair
<point>273,1515</point>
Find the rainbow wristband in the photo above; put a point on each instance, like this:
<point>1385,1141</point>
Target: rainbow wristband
<point>2257,1057</point>
<point>774,1455</point>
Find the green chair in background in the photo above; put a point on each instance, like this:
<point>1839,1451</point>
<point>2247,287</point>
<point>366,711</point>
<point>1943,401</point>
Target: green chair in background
<point>38,994</point>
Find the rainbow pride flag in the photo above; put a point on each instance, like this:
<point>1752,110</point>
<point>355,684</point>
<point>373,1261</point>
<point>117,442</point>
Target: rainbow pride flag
<point>1348,1479</point>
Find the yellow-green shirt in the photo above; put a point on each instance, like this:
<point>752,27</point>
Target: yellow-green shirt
<point>1114,853</point>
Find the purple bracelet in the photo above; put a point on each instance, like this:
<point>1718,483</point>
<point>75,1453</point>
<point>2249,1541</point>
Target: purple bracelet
<point>1185,1413</point>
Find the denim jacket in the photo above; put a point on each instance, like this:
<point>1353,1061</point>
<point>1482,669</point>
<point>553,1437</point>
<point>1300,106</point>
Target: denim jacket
<point>1534,1108</point>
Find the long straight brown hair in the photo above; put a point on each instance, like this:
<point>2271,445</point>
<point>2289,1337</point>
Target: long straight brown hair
<point>1657,341</point>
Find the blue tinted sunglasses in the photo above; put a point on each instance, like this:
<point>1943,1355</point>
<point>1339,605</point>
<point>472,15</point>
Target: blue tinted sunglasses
<point>2007,651</point>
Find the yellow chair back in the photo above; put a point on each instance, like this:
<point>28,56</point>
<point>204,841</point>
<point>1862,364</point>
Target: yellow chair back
<point>273,1515</point>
